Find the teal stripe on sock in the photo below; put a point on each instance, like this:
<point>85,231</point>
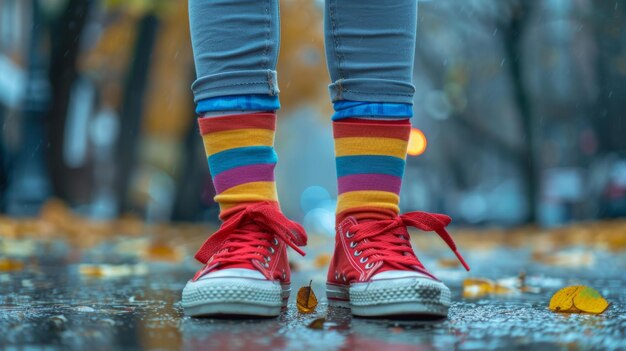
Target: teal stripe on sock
<point>242,156</point>
<point>369,164</point>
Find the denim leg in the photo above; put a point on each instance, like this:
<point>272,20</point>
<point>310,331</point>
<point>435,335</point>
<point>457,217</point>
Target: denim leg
<point>370,48</point>
<point>235,45</point>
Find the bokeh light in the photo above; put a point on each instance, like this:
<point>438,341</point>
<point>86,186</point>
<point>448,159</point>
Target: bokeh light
<point>417,142</point>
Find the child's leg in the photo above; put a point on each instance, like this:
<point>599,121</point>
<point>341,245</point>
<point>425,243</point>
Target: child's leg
<point>370,49</point>
<point>235,44</point>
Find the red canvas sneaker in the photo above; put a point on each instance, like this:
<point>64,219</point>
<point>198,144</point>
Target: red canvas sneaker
<point>375,272</point>
<point>246,269</point>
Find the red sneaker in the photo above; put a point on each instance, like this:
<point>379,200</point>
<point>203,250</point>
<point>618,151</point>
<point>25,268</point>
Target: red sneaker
<point>375,272</point>
<point>246,269</point>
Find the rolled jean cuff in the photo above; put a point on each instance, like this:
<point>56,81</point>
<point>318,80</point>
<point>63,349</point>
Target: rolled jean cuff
<point>253,102</point>
<point>372,90</point>
<point>376,110</point>
<point>250,82</point>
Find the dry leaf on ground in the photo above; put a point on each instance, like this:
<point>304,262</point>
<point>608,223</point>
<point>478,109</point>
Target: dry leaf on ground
<point>306,300</point>
<point>322,260</point>
<point>112,270</point>
<point>567,259</point>
<point>576,299</point>
<point>7,264</point>
<point>163,252</point>
<point>317,324</point>
<point>477,287</point>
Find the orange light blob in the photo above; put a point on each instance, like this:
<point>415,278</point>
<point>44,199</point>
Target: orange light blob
<point>417,142</point>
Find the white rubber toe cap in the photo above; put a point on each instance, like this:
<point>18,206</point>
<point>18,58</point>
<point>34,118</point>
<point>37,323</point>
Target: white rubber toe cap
<point>399,274</point>
<point>234,273</point>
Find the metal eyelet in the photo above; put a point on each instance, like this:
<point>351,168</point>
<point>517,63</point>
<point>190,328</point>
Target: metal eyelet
<point>284,274</point>
<point>348,235</point>
<point>343,277</point>
<point>369,265</point>
<point>267,258</point>
<point>353,244</point>
<point>358,253</point>
<point>364,259</point>
<point>275,241</point>
<point>272,251</point>
<point>336,275</point>
<point>266,265</point>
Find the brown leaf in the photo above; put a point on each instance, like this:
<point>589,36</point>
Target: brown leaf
<point>162,252</point>
<point>317,324</point>
<point>306,300</point>
<point>7,264</point>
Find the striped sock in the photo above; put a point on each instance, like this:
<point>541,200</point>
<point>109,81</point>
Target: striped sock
<point>370,157</point>
<point>240,151</point>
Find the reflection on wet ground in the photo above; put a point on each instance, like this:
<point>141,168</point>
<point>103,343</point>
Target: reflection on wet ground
<point>123,300</point>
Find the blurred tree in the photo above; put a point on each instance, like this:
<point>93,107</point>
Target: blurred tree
<point>66,33</point>
<point>513,29</point>
<point>609,22</point>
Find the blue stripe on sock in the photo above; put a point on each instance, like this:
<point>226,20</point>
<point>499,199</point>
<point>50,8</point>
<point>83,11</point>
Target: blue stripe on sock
<point>252,102</point>
<point>382,110</point>
<point>241,156</point>
<point>369,164</point>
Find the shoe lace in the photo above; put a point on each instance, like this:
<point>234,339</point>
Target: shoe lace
<point>249,234</point>
<point>389,241</point>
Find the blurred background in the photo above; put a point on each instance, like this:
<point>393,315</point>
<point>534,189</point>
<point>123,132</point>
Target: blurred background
<point>519,112</point>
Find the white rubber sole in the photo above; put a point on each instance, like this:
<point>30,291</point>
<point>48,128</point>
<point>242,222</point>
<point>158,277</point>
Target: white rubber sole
<point>234,296</point>
<point>392,297</point>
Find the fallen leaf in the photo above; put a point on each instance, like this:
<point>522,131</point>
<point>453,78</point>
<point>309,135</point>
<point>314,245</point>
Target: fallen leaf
<point>476,287</point>
<point>448,262</point>
<point>563,300</point>
<point>568,259</point>
<point>7,264</point>
<point>576,299</point>
<point>162,252</point>
<point>589,300</point>
<point>306,301</point>
<point>111,270</point>
<point>317,324</point>
<point>322,260</point>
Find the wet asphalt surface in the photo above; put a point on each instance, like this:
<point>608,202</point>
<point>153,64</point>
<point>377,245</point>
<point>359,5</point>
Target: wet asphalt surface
<point>51,303</point>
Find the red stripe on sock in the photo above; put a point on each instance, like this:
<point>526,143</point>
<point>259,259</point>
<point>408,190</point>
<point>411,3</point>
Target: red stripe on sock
<point>260,120</point>
<point>354,127</point>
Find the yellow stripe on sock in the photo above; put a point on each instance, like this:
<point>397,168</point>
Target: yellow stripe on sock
<point>368,198</point>
<point>370,146</point>
<point>230,139</point>
<point>248,192</point>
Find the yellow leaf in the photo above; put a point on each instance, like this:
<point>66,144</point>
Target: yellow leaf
<point>575,299</point>
<point>474,287</point>
<point>563,300</point>
<point>590,301</point>
<point>306,301</point>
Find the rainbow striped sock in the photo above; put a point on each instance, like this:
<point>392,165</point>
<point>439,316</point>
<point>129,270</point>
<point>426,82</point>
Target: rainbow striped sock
<point>240,151</point>
<point>370,157</point>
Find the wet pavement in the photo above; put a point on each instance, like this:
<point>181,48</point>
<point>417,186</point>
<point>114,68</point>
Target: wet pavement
<point>110,295</point>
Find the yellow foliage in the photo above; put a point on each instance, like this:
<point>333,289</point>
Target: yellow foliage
<point>576,299</point>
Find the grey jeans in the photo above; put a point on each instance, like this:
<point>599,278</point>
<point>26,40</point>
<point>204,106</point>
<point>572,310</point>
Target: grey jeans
<point>370,47</point>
